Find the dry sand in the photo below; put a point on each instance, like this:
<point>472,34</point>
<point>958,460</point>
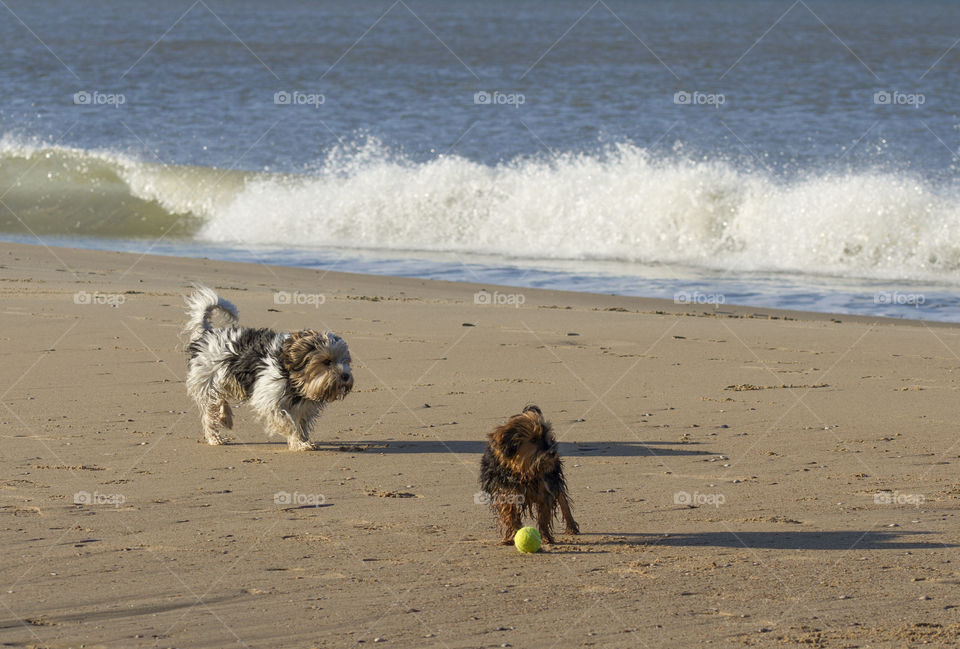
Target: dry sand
<point>183,545</point>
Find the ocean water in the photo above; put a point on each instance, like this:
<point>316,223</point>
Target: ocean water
<point>801,155</point>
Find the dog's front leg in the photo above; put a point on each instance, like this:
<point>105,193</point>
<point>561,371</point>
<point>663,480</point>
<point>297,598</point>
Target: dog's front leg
<point>297,431</point>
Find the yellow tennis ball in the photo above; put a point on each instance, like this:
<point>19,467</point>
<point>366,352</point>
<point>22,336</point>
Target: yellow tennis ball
<point>527,539</point>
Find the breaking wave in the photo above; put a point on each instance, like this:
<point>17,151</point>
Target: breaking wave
<point>621,204</point>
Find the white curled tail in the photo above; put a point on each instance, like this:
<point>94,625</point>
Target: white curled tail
<point>201,305</point>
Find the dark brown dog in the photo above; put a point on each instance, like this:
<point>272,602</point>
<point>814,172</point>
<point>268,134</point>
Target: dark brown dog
<point>522,473</point>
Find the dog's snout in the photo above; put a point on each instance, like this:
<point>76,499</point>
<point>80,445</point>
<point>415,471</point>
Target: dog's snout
<point>345,376</point>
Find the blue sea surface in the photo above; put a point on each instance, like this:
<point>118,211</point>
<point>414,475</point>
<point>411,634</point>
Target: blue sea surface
<point>798,155</point>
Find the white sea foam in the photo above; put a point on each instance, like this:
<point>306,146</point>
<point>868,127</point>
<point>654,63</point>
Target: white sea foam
<point>622,204</point>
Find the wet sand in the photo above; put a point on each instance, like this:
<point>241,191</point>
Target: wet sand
<point>741,476</point>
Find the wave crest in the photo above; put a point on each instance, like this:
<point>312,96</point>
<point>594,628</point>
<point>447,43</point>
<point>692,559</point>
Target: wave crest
<point>620,204</point>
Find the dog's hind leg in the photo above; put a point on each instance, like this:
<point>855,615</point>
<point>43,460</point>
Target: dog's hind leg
<point>211,418</point>
<point>203,388</point>
<point>545,521</point>
<point>564,502</point>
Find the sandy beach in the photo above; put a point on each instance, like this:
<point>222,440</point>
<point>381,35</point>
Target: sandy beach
<point>741,476</point>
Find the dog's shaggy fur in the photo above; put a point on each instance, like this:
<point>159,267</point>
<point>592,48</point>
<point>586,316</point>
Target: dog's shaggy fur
<point>287,378</point>
<point>522,473</point>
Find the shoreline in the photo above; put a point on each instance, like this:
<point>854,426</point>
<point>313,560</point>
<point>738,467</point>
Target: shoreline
<point>740,477</point>
<point>603,300</point>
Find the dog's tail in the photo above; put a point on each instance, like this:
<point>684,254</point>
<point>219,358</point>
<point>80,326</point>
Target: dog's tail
<point>201,305</point>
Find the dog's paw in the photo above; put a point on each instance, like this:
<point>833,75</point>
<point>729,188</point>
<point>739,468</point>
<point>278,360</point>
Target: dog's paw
<point>299,445</point>
<point>217,440</point>
<point>573,528</point>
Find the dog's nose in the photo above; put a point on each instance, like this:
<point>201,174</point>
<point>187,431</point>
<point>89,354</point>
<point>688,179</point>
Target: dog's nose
<point>345,377</point>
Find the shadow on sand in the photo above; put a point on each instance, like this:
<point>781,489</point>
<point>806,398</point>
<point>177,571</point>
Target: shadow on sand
<point>786,540</point>
<point>567,449</point>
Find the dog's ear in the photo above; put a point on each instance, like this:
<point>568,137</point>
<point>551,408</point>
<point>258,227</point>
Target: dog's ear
<point>294,350</point>
<point>538,428</point>
<point>517,443</point>
<point>509,441</point>
<point>510,436</point>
